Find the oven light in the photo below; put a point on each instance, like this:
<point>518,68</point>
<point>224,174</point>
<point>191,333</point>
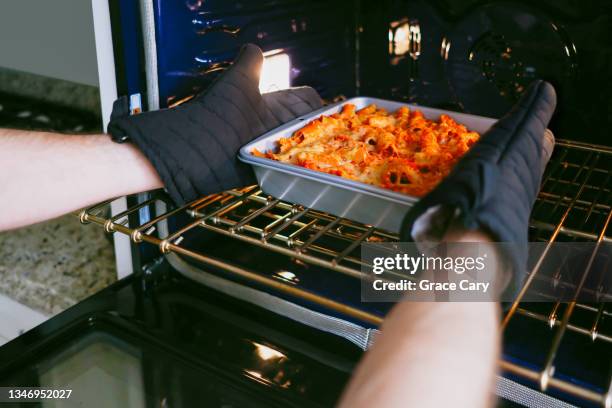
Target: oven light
<point>275,72</point>
<point>401,39</point>
<point>267,353</point>
<point>445,48</point>
<point>405,38</point>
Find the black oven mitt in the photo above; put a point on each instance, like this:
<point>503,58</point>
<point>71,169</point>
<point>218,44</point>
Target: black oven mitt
<point>493,187</point>
<point>194,146</point>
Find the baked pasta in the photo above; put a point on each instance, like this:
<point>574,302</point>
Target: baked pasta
<point>402,151</point>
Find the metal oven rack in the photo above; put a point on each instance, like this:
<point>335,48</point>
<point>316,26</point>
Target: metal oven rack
<point>575,204</point>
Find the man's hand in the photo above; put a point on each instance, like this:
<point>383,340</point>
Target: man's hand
<point>493,187</point>
<point>194,146</point>
<point>445,353</point>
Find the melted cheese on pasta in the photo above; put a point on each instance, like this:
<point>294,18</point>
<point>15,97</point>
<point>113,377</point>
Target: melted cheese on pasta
<point>401,151</point>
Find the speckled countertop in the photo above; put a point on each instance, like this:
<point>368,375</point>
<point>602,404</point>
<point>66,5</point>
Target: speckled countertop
<point>51,266</point>
<point>51,90</point>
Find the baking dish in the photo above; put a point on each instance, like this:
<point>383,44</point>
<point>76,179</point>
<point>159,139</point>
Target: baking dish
<point>358,201</point>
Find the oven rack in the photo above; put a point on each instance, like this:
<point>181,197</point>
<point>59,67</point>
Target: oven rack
<point>574,204</point>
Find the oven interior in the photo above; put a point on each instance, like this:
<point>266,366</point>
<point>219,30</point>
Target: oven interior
<point>471,56</point>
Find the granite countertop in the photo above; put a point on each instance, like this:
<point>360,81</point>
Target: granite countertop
<point>53,265</point>
<point>50,90</point>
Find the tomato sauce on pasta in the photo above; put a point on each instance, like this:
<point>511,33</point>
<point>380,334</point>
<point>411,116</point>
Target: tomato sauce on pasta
<point>402,151</point>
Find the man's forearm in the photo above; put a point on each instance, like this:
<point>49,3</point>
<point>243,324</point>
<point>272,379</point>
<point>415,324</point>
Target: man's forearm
<point>430,355</point>
<point>433,354</point>
<point>44,175</point>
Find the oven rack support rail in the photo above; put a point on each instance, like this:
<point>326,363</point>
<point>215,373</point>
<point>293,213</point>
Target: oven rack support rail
<point>575,203</point>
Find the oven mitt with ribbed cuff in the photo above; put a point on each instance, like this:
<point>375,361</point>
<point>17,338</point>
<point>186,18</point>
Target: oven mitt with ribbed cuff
<point>494,186</point>
<point>194,146</point>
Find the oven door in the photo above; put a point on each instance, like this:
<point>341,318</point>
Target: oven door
<point>159,340</point>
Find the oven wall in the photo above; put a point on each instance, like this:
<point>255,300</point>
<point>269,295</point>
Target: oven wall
<point>474,56</point>
<point>478,56</point>
<point>198,39</point>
